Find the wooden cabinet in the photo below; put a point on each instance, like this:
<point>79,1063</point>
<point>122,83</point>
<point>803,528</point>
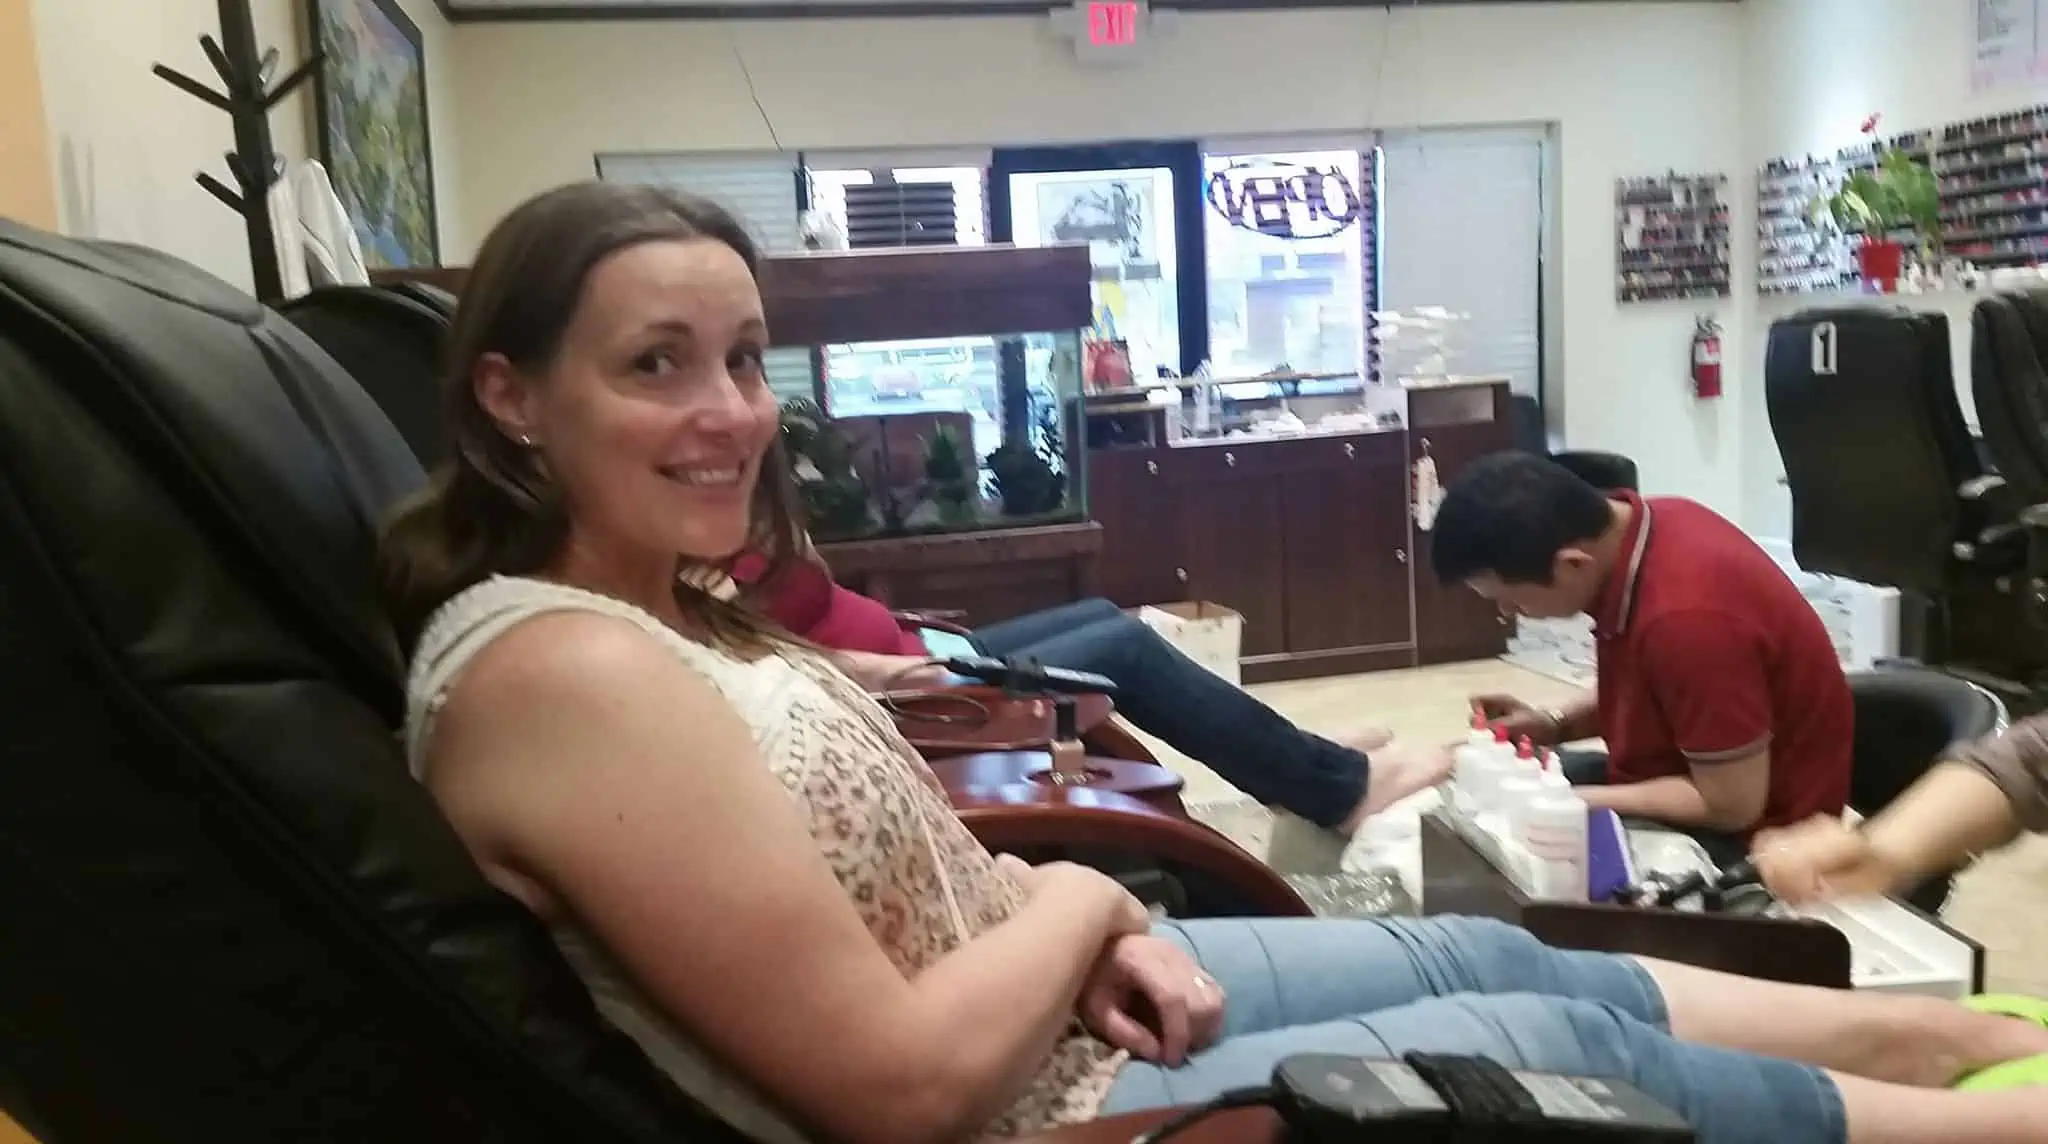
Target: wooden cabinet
<point>1306,538</point>
<point>1452,622</point>
<point>1346,550</point>
<point>1312,539</point>
<point>1140,561</point>
<point>1230,528</point>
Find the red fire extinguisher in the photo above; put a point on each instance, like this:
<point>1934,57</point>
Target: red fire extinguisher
<point>1706,358</point>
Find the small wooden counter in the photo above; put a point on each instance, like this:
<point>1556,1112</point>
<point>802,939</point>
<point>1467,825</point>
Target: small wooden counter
<point>1312,539</point>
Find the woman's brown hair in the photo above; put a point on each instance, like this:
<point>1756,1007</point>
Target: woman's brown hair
<point>491,509</point>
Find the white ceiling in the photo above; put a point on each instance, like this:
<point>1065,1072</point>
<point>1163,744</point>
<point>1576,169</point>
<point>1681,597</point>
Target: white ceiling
<point>469,10</point>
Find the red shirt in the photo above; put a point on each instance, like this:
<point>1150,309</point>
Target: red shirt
<point>807,602</point>
<point>1707,652</point>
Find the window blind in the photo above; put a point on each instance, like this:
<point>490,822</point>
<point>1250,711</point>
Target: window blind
<point>761,190</point>
<point>893,204</point>
<point>1462,227</point>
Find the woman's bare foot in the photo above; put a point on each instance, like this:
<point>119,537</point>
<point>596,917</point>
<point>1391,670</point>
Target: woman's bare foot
<point>1369,740</point>
<point>1397,772</point>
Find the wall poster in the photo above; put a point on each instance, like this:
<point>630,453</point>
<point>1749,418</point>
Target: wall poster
<point>2006,43</point>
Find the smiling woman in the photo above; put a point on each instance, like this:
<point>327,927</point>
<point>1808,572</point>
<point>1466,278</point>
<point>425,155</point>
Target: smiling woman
<point>582,370</point>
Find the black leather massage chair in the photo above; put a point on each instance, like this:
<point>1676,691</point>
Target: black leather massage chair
<point>1889,487</point>
<point>229,913</point>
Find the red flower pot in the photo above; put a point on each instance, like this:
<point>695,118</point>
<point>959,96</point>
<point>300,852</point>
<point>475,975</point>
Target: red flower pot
<point>1880,262</point>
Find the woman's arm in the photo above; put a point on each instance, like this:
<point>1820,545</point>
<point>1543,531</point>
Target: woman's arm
<point>2017,763</point>
<point>877,673</point>
<point>1953,813</point>
<point>581,758</point>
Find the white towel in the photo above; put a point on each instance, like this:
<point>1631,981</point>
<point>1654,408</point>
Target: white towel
<point>284,229</point>
<point>331,253</point>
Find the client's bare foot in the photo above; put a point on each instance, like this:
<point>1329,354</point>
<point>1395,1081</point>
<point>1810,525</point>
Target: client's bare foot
<point>1397,772</point>
<point>1369,740</point>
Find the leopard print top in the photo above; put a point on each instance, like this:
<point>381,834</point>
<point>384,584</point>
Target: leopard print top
<point>920,881</point>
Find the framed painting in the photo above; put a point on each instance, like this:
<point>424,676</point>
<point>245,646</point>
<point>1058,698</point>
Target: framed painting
<point>371,123</point>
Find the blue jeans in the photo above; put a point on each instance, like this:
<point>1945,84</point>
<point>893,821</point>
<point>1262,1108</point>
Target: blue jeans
<point>1164,693</point>
<point>1377,988</point>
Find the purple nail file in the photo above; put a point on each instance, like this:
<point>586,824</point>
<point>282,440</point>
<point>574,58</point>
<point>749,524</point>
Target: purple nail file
<point>1610,868</point>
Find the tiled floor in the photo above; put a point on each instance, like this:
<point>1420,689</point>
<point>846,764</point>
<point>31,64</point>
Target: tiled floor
<point>1998,903</point>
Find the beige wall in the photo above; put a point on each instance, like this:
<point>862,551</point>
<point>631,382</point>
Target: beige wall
<point>26,192</point>
<point>1637,88</point>
<point>125,144</point>
<point>1814,70</point>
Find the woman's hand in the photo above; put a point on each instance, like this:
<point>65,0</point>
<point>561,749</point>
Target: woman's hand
<point>1083,885</point>
<point>1148,997</point>
<point>1824,858</point>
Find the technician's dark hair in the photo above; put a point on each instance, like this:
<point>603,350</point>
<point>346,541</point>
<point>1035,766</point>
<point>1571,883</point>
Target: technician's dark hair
<point>491,509</point>
<point>1510,514</point>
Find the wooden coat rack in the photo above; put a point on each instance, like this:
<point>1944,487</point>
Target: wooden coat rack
<point>248,98</point>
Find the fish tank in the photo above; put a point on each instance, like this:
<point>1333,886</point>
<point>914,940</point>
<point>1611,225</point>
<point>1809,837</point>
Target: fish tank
<point>948,386</point>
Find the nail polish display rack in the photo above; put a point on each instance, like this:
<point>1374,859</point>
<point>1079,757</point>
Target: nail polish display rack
<point>1992,175</point>
<point>1671,238</point>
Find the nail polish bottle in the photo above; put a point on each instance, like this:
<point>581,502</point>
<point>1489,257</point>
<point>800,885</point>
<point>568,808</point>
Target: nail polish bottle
<point>1069,757</point>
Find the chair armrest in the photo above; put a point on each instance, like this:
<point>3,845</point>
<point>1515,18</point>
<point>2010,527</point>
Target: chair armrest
<point>1238,1126</point>
<point>942,619</point>
<point>1010,818</point>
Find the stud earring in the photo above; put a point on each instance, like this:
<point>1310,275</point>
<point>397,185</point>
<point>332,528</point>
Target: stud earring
<point>526,440</point>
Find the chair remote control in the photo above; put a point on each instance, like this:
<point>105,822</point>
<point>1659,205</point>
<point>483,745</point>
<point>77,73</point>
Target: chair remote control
<point>1432,1099</point>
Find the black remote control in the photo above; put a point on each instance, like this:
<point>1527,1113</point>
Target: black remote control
<point>1029,676</point>
<point>1427,1099</point>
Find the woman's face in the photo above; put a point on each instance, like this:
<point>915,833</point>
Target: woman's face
<point>655,415</point>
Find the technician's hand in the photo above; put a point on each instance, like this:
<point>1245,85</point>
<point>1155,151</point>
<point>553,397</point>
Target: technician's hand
<point>1823,858</point>
<point>1149,998</point>
<point>1518,717</point>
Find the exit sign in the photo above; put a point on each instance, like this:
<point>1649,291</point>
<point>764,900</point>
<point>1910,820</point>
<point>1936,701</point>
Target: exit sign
<point>1106,30</point>
<point>1112,23</point>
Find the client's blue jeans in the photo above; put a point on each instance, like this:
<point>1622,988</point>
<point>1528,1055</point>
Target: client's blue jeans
<point>1165,693</point>
<point>1474,987</point>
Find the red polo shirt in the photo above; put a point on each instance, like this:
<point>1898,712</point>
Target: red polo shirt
<point>1707,652</point>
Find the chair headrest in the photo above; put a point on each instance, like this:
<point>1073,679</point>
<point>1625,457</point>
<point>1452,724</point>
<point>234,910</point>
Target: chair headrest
<point>389,338</point>
<point>1838,380</point>
<point>292,465</point>
<point>2009,346</point>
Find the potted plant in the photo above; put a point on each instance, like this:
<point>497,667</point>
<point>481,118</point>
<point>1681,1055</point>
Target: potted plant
<point>1898,194</point>
<point>945,469</point>
<point>835,498</point>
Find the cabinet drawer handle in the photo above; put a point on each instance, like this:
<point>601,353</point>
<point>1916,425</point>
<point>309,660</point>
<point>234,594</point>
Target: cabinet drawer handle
<point>1400,556</point>
<point>1230,459</point>
<point>1152,467</point>
<point>1350,450</point>
<point>1181,574</point>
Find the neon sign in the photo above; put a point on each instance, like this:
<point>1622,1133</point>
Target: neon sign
<point>1286,200</point>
